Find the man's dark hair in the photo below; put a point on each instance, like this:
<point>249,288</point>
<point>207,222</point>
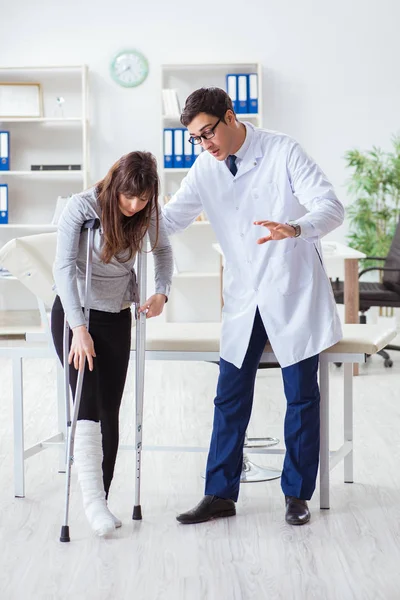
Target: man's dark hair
<point>212,101</point>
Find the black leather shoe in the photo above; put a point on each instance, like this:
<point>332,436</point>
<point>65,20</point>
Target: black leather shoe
<point>297,512</point>
<point>211,507</point>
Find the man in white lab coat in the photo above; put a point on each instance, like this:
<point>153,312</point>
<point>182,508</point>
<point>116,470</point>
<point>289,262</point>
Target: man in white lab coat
<point>269,204</point>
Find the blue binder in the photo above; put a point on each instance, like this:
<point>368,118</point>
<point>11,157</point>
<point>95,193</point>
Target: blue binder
<point>253,93</point>
<point>197,149</point>
<point>168,148</point>
<point>178,149</point>
<point>242,94</point>
<point>188,151</point>
<point>4,150</point>
<point>232,89</point>
<point>3,203</point>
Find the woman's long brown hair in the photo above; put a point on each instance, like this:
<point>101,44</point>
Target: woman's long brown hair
<point>134,175</point>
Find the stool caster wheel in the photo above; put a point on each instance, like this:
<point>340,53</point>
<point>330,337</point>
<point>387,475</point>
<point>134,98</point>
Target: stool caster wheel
<point>388,362</point>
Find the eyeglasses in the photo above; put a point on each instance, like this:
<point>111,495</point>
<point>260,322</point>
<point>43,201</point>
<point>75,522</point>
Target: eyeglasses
<point>207,135</point>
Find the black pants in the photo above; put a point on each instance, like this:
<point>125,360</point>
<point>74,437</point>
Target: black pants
<point>103,387</point>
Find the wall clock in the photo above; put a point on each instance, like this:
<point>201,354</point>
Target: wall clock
<point>129,68</point>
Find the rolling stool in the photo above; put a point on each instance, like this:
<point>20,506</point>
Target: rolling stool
<point>252,473</point>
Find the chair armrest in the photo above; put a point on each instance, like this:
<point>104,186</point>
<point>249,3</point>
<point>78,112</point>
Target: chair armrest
<point>375,258</point>
<point>378,269</point>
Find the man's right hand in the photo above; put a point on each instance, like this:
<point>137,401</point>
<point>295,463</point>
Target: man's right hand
<point>82,347</point>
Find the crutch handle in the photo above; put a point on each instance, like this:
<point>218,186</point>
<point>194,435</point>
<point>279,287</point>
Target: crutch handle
<point>91,224</point>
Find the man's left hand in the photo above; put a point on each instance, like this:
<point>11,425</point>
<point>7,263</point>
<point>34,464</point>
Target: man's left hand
<point>153,306</point>
<point>277,231</point>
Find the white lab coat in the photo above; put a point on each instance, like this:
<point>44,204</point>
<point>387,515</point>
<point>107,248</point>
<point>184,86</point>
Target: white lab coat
<point>286,279</point>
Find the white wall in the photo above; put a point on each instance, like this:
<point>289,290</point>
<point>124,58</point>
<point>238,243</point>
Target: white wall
<point>330,68</point>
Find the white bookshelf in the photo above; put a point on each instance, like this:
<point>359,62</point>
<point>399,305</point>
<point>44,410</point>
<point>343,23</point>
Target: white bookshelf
<point>175,120</point>
<point>44,174</point>
<point>59,136</point>
<point>196,290</point>
<point>45,120</point>
<point>29,227</point>
<point>196,275</point>
<point>174,171</point>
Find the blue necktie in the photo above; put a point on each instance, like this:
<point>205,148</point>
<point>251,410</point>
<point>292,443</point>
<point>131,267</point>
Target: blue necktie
<point>232,164</point>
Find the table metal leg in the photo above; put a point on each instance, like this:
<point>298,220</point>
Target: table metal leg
<point>19,447</point>
<point>348,420</point>
<point>62,426</point>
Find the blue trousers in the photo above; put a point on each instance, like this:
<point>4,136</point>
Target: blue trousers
<point>233,404</point>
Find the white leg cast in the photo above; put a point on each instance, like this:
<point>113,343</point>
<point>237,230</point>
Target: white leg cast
<point>117,522</point>
<point>88,458</point>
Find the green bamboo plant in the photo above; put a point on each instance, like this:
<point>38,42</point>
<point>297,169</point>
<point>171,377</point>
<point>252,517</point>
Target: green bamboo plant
<point>375,184</point>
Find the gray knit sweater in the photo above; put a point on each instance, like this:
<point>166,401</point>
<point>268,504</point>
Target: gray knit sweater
<point>114,284</point>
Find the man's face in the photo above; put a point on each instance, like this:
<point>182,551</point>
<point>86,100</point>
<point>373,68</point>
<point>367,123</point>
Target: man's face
<point>219,145</point>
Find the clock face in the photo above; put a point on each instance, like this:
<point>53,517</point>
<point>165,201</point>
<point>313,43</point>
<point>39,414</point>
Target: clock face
<point>129,68</point>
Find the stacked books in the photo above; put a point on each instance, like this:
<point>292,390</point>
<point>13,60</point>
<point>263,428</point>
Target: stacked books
<point>171,106</point>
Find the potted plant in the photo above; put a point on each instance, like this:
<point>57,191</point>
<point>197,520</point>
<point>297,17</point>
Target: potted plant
<point>375,184</point>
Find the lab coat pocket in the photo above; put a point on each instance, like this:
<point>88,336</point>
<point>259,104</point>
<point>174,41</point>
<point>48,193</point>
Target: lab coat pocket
<point>290,272</point>
<point>265,201</point>
<point>233,289</point>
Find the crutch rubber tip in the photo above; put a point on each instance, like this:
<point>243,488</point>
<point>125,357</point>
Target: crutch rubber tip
<point>64,537</point>
<point>137,513</point>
